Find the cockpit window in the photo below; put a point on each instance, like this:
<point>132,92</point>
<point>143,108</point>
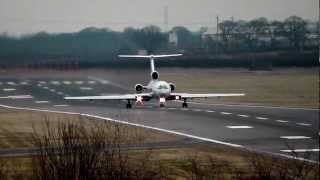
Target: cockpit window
<point>162,87</point>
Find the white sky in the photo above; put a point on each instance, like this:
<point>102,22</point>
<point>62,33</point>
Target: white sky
<point>28,16</point>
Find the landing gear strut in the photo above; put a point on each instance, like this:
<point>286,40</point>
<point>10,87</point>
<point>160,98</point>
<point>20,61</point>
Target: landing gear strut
<point>129,105</point>
<point>184,104</point>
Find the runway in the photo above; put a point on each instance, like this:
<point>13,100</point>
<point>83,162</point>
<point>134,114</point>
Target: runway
<point>277,130</point>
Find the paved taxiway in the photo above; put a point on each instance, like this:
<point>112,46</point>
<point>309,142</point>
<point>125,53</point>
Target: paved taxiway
<point>267,129</point>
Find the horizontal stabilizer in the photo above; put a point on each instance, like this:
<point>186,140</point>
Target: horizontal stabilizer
<point>150,56</point>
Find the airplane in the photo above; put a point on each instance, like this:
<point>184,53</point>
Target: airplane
<point>158,89</point>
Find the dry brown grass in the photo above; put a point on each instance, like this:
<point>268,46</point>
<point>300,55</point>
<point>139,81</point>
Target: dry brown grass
<point>194,162</point>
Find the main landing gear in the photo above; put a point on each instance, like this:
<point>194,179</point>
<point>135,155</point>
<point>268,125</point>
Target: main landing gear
<point>184,104</point>
<point>129,105</point>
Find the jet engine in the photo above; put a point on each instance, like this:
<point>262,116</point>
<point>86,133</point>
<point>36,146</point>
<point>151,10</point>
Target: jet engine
<point>138,88</point>
<point>172,87</point>
<point>154,75</point>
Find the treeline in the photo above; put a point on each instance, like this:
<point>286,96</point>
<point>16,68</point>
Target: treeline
<point>92,46</point>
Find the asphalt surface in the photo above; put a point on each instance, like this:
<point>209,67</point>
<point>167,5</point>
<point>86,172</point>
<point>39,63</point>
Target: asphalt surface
<point>277,130</point>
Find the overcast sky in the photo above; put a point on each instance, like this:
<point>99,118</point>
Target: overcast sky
<point>28,16</point>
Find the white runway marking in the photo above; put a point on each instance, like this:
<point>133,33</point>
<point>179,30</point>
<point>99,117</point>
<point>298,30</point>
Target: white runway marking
<point>39,85</point>
<point>172,108</point>
<point>303,124</point>
<point>52,90</point>
<point>11,83</point>
<point>281,121</point>
<point>152,128</point>
<point>246,105</point>
<point>79,82</point>
<point>300,150</point>
<point>86,88</point>
<point>225,113</point>
<point>8,89</point>
<point>239,127</point>
<point>55,82</point>
<point>45,87</point>
<point>24,83</point>
<point>243,115</point>
<point>41,102</point>
<point>92,82</point>
<point>67,82</point>
<point>210,111</point>
<point>42,82</point>
<point>61,105</point>
<point>184,109</point>
<point>196,110</point>
<point>17,97</point>
<point>295,137</point>
<point>262,118</point>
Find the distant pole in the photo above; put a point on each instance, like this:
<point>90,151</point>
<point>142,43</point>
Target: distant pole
<point>217,35</point>
<point>218,24</point>
<point>166,18</point>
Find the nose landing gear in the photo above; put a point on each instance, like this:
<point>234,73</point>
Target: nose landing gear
<point>184,104</point>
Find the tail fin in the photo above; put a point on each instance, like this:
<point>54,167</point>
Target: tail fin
<point>151,57</point>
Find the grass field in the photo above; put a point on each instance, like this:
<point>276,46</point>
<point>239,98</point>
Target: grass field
<point>292,87</point>
<point>199,160</point>
<point>295,87</point>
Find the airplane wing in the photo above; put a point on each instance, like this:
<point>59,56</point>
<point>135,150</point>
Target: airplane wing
<point>110,97</point>
<point>187,95</point>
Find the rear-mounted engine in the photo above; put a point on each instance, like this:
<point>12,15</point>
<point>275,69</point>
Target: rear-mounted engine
<point>154,75</point>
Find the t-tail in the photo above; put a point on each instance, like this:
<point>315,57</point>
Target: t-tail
<point>154,73</point>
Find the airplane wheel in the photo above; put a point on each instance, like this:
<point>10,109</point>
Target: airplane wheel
<point>161,105</point>
<point>129,106</point>
<point>184,105</point>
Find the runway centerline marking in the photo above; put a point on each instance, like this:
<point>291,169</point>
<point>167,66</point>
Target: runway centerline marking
<point>8,89</point>
<point>304,124</point>
<point>17,97</point>
<point>78,82</point>
<point>41,102</point>
<point>282,121</point>
<point>300,150</point>
<point>55,82</point>
<point>67,82</point>
<point>196,110</point>
<point>24,83</point>
<point>86,88</point>
<point>225,113</point>
<point>42,82</point>
<point>295,137</point>
<point>11,83</point>
<point>239,127</point>
<point>262,118</point>
<point>209,111</point>
<point>92,82</point>
<point>243,115</point>
<point>172,108</point>
<point>61,105</point>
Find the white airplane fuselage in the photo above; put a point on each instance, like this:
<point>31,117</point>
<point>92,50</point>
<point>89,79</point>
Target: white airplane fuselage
<point>159,89</point>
